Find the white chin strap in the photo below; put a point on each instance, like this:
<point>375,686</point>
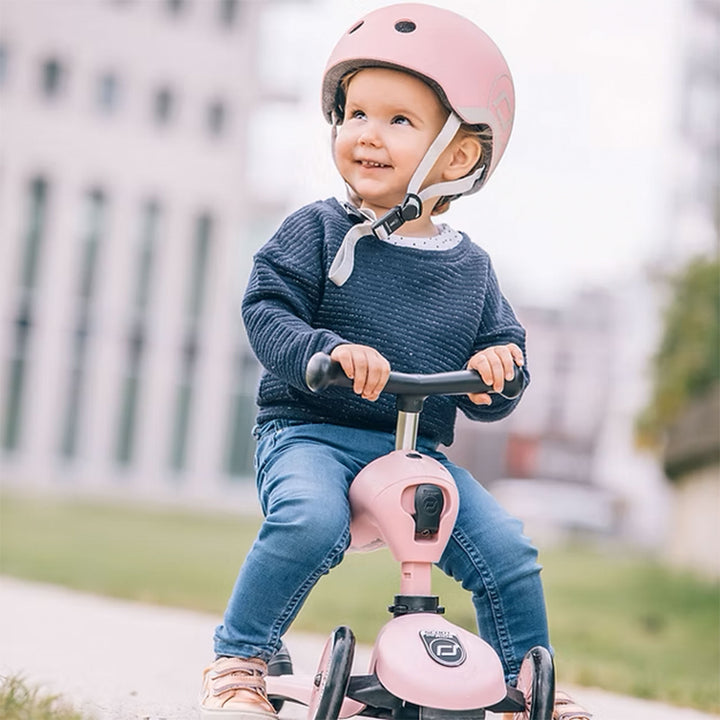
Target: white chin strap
<point>344,261</point>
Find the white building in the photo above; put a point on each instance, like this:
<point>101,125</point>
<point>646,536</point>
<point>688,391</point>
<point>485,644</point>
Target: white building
<point>127,225</point>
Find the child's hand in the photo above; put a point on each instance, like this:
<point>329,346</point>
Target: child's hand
<point>368,369</point>
<point>495,365</point>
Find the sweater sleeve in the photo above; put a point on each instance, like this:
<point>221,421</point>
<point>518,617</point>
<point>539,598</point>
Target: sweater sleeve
<point>282,296</point>
<point>498,326</point>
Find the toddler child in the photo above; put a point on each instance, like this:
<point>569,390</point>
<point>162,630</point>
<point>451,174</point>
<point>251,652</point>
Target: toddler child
<point>421,104</point>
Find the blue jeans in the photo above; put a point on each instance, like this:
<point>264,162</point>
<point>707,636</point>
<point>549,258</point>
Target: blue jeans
<point>303,475</point>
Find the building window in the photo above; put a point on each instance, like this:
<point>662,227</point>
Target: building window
<point>240,445</point>
<point>183,405</point>
<point>163,105</point>
<point>52,77</point>
<point>175,7</point>
<point>3,63</point>
<point>108,92</point>
<point>91,238</point>
<point>16,377</point>
<point>185,392</point>
<point>125,447</point>
<point>36,218</point>
<point>228,12</point>
<point>146,255</point>
<point>132,384</point>
<point>199,266</point>
<point>216,118</point>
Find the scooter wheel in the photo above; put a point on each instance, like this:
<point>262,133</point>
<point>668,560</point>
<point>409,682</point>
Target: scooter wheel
<point>536,681</point>
<point>331,681</point>
<point>279,664</point>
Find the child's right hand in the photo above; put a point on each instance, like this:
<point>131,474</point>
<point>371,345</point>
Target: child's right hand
<point>368,369</point>
<point>495,365</point>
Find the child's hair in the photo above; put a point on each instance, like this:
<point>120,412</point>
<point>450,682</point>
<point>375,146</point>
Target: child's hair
<point>482,132</point>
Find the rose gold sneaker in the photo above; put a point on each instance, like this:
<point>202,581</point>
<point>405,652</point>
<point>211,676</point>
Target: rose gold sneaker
<point>234,689</point>
<point>567,709</point>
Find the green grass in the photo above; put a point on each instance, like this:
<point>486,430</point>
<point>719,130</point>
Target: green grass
<point>618,621</point>
<point>19,701</point>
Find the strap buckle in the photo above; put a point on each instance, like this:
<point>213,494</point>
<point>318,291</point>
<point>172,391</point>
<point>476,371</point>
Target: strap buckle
<point>409,209</point>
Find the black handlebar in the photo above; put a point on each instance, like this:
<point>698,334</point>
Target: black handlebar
<point>322,372</point>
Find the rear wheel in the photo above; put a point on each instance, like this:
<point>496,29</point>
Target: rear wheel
<point>333,675</point>
<point>536,681</point>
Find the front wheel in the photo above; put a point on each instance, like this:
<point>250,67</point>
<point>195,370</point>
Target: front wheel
<point>333,675</point>
<point>536,681</point>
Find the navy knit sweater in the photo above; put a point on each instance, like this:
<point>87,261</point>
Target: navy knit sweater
<point>425,311</point>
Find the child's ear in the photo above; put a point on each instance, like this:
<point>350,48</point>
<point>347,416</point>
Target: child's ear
<point>465,153</point>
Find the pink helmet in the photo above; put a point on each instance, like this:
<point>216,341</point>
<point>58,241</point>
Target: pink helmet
<point>454,56</point>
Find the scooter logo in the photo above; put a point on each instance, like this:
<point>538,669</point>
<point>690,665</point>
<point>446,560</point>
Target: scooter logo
<point>443,647</point>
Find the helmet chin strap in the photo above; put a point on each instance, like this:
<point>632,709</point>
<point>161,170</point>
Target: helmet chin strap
<point>410,208</point>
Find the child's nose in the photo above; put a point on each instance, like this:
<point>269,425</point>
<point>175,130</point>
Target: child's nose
<point>369,134</point>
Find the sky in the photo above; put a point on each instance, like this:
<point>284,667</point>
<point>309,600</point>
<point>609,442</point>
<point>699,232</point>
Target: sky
<point>580,198</point>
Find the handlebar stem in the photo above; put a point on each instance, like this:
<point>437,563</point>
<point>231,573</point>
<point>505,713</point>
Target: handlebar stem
<point>406,430</point>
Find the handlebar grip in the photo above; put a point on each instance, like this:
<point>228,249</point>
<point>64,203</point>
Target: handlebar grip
<point>322,372</point>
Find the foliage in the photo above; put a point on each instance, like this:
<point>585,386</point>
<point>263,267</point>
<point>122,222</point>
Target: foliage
<point>618,620</point>
<point>687,363</point>
<point>18,701</point>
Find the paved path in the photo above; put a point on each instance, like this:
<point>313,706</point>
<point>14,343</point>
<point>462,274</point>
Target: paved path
<point>120,660</point>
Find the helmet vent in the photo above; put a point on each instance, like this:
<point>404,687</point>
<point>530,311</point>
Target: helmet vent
<point>356,27</point>
<point>405,26</point>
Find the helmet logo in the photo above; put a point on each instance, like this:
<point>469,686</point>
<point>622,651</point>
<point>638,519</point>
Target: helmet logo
<point>443,647</point>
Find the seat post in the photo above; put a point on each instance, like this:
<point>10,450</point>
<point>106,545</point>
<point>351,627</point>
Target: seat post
<point>406,430</point>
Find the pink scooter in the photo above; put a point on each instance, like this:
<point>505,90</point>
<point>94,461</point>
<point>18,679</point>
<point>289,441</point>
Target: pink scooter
<point>422,666</point>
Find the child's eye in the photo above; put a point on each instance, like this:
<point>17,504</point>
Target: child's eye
<point>400,120</point>
<point>357,115</point>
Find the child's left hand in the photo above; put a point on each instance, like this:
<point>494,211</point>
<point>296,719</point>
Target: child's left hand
<point>495,365</point>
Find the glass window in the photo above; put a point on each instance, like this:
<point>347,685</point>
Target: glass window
<point>130,397</point>
<point>16,373</point>
<point>228,11</point>
<point>132,383</point>
<point>3,63</point>
<point>92,235</point>
<point>175,7</point>
<point>52,77</point>
<point>216,118</point>
<point>191,348</point>
<point>199,266</point>
<point>95,216</point>
<point>240,447</point>
<point>183,403</point>
<point>146,254</point>
<point>108,92</point>
<point>16,377</point>
<point>163,105</point>
<point>36,218</point>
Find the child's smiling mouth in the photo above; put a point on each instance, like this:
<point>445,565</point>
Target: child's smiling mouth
<point>372,164</point>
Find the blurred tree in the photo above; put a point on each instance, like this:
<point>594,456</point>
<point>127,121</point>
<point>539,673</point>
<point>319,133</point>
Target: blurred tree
<point>686,366</point>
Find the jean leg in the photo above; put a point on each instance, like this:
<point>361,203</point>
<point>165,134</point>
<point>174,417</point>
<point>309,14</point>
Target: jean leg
<point>303,487</point>
<point>491,557</point>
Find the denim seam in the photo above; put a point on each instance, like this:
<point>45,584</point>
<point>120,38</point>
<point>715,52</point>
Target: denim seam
<point>488,579</point>
<point>332,560</point>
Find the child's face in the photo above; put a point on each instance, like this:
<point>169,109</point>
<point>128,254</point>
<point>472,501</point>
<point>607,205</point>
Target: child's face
<point>391,118</point>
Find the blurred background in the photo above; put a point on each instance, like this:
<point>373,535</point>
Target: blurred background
<point>149,147</point>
